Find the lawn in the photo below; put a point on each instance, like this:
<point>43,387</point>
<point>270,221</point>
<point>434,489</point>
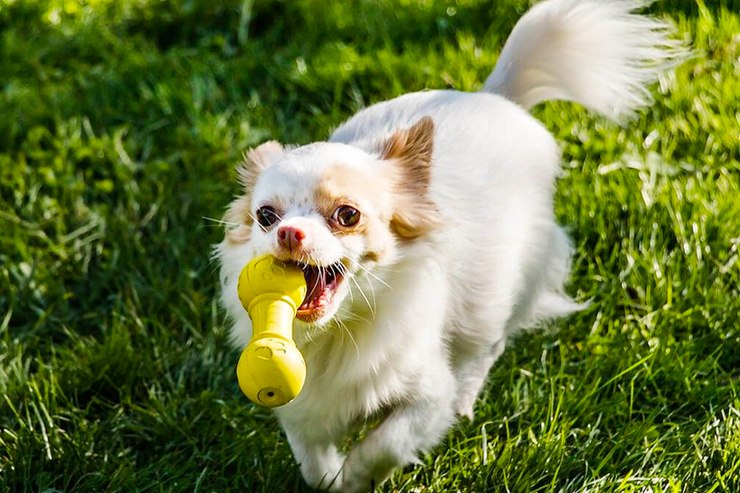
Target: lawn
<point>120,125</point>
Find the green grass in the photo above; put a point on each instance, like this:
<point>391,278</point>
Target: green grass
<point>120,124</point>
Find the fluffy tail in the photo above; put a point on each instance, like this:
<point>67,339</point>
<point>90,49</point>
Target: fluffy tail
<point>598,53</point>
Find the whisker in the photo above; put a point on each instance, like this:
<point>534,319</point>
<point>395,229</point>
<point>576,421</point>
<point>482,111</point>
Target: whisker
<point>308,336</point>
<point>256,222</point>
<point>338,322</point>
<point>362,293</point>
<point>344,271</point>
<point>372,290</point>
<point>367,271</point>
<point>354,317</point>
<point>351,296</point>
<point>349,333</point>
<point>220,221</point>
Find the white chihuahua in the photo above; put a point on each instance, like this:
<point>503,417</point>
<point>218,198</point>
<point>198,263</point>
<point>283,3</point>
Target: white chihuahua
<point>426,233</point>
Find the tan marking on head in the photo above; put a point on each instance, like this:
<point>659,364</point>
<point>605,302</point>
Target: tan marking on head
<point>366,191</point>
<point>344,185</point>
<point>410,151</point>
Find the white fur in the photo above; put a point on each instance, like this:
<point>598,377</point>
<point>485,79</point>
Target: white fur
<point>594,52</point>
<point>416,335</point>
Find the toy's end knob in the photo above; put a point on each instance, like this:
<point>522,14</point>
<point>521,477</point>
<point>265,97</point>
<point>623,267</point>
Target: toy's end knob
<point>271,371</point>
<point>271,397</point>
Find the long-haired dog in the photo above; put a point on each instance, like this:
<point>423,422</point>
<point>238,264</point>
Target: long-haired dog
<point>426,233</point>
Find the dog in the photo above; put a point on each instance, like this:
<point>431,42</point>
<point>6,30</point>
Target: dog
<point>425,230</point>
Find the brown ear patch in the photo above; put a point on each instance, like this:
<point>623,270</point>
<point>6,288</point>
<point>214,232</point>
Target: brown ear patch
<point>410,152</point>
<point>412,144</point>
<point>255,161</point>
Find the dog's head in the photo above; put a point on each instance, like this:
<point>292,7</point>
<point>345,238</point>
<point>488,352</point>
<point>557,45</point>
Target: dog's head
<point>333,209</point>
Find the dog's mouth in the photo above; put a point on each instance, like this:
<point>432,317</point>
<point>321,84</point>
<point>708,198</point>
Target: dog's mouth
<point>322,283</point>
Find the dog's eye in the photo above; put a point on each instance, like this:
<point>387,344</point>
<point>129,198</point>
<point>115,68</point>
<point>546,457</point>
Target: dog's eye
<point>266,216</point>
<point>346,215</point>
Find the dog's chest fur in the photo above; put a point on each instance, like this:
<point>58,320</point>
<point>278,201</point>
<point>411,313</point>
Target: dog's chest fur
<point>370,359</point>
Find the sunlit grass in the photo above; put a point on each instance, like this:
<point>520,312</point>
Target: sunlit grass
<point>121,123</point>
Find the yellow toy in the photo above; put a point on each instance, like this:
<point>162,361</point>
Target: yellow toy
<point>271,370</point>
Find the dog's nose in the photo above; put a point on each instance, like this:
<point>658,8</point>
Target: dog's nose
<point>290,237</point>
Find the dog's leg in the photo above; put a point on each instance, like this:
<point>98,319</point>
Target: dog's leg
<point>410,429</point>
<point>471,375</point>
<point>319,460</point>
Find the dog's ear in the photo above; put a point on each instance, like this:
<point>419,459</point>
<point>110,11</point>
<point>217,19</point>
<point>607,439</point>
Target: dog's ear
<point>257,160</point>
<point>410,154</point>
<point>238,217</point>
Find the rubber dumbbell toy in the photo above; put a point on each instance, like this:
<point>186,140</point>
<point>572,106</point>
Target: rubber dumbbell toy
<point>271,370</point>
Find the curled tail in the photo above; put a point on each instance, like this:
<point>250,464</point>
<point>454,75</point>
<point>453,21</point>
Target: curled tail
<point>598,53</point>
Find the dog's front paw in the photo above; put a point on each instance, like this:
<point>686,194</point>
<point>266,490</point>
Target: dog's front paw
<point>356,477</point>
<point>325,477</point>
<point>329,482</point>
<point>320,464</point>
<point>364,469</point>
<point>465,406</point>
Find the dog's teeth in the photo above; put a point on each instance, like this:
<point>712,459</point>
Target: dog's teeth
<point>323,283</point>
